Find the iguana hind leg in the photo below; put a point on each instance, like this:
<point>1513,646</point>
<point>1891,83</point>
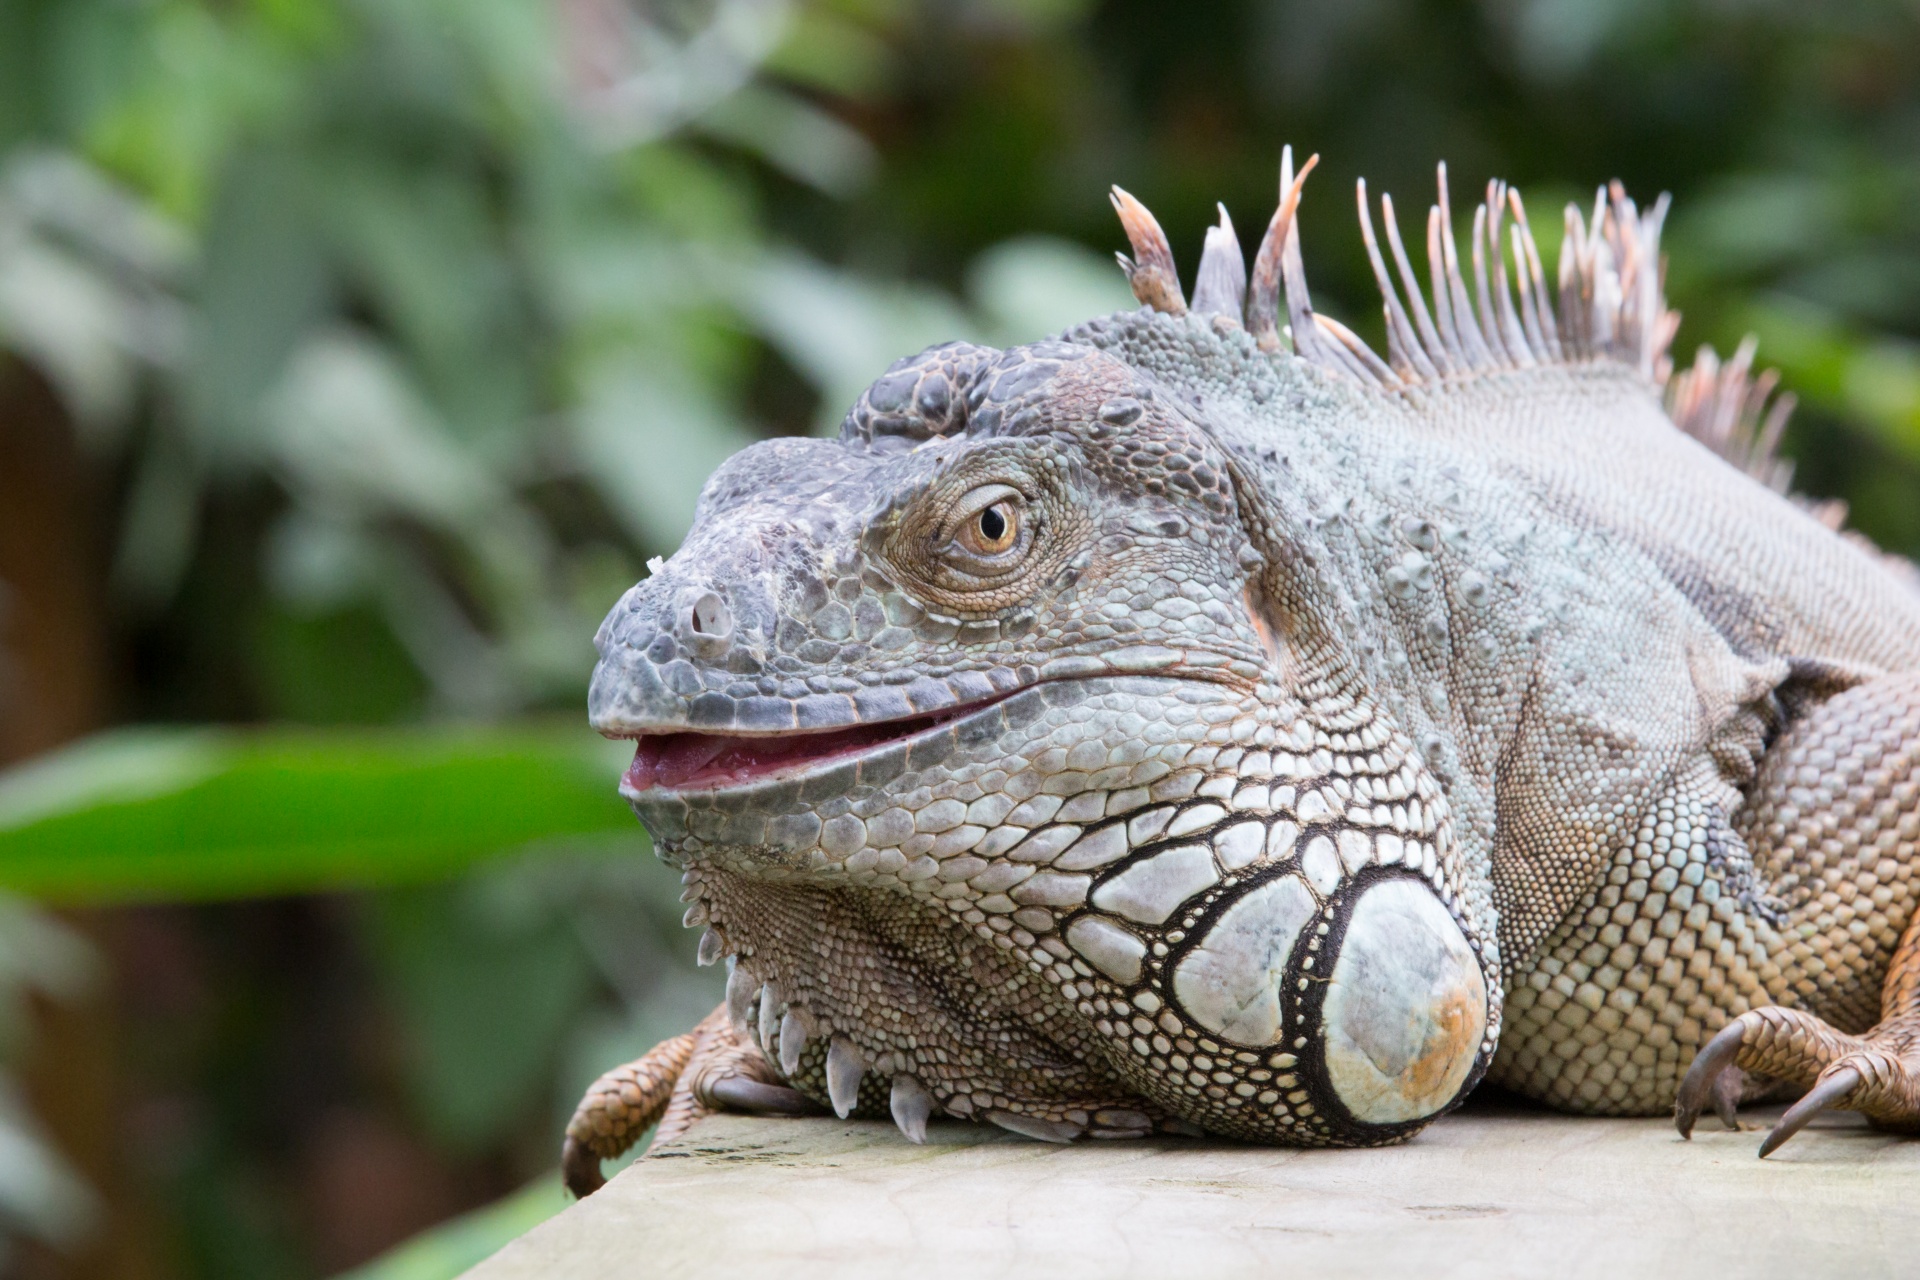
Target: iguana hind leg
<point>711,1068</point>
<point>1877,1074</point>
<point>1836,814</point>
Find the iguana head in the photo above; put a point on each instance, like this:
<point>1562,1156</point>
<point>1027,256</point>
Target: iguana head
<point>984,749</point>
<point>1005,757</point>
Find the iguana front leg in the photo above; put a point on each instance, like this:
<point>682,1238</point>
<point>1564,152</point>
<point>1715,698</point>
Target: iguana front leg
<point>711,1068</point>
<point>1835,811</point>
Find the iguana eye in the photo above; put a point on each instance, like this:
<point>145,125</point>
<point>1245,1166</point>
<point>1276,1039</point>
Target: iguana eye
<point>993,530</point>
<point>990,522</point>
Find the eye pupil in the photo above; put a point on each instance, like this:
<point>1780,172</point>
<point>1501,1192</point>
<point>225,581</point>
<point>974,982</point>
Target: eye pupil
<point>993,525</point>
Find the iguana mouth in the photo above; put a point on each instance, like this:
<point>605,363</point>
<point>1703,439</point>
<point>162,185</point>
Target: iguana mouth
<point>716,761</point>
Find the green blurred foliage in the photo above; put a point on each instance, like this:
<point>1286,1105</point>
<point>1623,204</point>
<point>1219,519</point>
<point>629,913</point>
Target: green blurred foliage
<point>403,332</point>
<point>172,815</point>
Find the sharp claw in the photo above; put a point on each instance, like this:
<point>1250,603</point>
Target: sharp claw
<point>752,1096</point>
<point>1825,1092</point>
<point>580,1169</point>
<point>793,1042</point>
<point>845,1066</point>
<point>911,1104</point>
<point>743,993</point>
<point>1706,1068</point>
<point>769,1019</point>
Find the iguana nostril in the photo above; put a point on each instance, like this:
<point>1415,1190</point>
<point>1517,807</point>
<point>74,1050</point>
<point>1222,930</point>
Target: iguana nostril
<point>706,624</point>
<point>710,616</point>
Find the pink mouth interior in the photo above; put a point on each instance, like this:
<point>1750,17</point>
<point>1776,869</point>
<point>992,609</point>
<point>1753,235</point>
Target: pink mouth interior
<point>681,761</point>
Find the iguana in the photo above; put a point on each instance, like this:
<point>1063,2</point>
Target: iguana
<point>1193,724</point>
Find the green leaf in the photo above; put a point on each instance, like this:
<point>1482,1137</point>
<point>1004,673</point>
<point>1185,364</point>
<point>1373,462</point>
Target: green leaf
<point>222,813</point>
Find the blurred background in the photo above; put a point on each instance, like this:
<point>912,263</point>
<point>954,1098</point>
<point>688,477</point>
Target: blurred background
<point>356,354</point>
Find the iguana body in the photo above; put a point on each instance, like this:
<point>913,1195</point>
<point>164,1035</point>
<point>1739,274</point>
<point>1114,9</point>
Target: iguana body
<point>1157,728</point>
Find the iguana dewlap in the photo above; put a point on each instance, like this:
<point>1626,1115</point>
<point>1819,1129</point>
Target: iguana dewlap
<point>1172,727</point>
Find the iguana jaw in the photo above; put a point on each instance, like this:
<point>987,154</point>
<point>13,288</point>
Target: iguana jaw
<point>716,762</point>
<point>1133,928</point>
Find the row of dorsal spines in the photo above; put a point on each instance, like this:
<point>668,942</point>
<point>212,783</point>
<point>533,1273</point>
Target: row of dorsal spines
<point>1606,301</point>
<point>1735,412</point>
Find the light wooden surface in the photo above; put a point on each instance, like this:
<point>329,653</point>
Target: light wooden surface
<point>1492,1191</point>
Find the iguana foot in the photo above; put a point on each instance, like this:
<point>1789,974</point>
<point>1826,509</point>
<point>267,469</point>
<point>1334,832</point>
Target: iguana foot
<point>678,1081</point>
<point>1876,1074</point>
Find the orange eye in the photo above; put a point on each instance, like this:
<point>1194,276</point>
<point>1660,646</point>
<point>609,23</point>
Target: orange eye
<point>992,529</point>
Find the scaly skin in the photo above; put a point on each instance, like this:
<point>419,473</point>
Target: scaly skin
<point>1290,744</point>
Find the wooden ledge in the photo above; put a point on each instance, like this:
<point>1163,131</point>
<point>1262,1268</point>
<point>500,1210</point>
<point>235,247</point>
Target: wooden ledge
<point>1491,1191</point>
